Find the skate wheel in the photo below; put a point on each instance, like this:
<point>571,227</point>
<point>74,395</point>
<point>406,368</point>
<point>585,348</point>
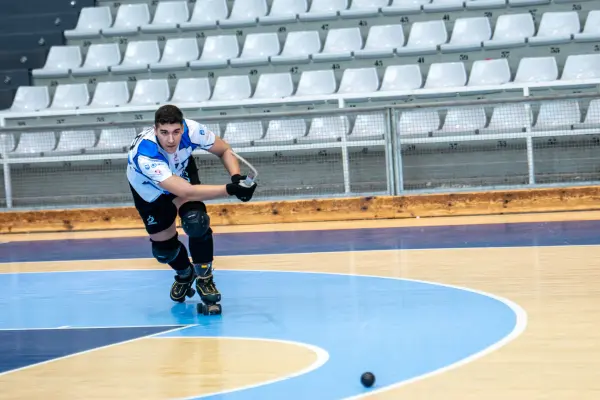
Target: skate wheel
<point>213,309</point>
<point>190,293</point>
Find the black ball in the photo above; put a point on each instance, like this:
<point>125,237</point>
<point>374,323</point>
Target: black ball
<point>367,379</point>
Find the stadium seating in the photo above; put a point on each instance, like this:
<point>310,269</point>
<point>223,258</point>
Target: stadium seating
<point>124,59</point>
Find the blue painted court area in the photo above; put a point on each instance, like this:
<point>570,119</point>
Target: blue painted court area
<point>399,329</point>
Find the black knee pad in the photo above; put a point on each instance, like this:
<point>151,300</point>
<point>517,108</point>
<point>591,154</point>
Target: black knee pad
<point>166,251</point>
<point>194,219</point>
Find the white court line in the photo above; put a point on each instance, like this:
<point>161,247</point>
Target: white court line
<point>322,358</point>
<point>93,327</point>
<point>91,350</point>
<point>520,325</point>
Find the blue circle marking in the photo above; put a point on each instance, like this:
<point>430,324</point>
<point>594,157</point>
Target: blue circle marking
<point>398,329</point>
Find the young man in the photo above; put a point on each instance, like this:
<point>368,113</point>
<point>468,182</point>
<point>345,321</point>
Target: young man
<point>163,178</point>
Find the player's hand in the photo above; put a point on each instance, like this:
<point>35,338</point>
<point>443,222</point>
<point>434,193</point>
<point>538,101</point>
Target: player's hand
<point>239,189</point>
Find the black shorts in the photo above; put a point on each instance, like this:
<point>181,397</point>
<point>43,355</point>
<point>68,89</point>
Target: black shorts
<point>161,213</point>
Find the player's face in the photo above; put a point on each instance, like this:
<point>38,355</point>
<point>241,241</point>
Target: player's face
<point>169,136</point>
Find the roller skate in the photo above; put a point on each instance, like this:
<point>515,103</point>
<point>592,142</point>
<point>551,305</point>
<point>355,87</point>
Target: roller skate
<point>205,286</point>
<point>183,287</point>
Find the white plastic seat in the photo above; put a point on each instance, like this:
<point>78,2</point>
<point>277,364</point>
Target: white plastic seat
<point>359,80</point>
<point>100,57</point>
<point>191,90</point>
<point>464,120</point>
<point>364,8</point>
<point>591,29</point>
<point>400,7</point>
<point>536,69</point>
<point>402,78</point>
<point>115,139</point>
<point>150,92</point>
<point>489,72</point>
<point>30,98</point>
<point>324,9</point>
<point>178,52</point>
<point>232,88</point>
<point>274,86</point>
<point>468,34</point>
<point>284,11</point>
<point>316,83</point>
<point>217,51</point>
<point>245,13</point>
<point>91,21</point>
<point>592,117</point>
<point>34,143</point>
<point>381,41</point>
<point>110,94</point>
<point>441,75</point>
<point>370,126</point>
<point>418,123</point>
<point>556,27</point>
<point>138,57</point>
<point>130,17</point>
<point>283,132</point>
<point>298,47</point>
<point>327,129</point>
<point>167,16</point>
<point>339,44</point>
<point>70,96</point>
<point>60,61</point>
<point>509,118</point>
<point>258,47</point>
<point>243,134</point>
<point>7,143</point>
<point>206,14</point>
<point>424,36</point>
<point>511,30</point>
<point>581,66</point>
<point>558,115</point>
<point>75,141</point>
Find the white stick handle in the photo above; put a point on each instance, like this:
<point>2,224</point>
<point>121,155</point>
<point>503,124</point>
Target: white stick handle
<point>250,177</point>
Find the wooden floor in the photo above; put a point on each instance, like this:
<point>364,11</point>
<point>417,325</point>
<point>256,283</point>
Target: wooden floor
<point>557,285</point>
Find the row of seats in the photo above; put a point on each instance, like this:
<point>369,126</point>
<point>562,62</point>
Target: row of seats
<point>276,86</point>
<point>371,126</point>
<point>340,44</point>
<point>170,16</point>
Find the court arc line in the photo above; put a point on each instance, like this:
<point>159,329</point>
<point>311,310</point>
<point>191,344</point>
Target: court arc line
<point>519,328</point>
<point>94,349</point>
<point>322,358</point>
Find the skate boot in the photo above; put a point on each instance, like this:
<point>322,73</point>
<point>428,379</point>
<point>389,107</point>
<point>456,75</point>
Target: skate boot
<point>183,287</point>
<point>205,286</point>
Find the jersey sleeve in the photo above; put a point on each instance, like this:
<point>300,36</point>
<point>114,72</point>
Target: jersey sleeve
<point>200,135</point>
<point>151,163</point>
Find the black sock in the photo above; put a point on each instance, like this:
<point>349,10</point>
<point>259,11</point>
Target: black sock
<point>202,249</point>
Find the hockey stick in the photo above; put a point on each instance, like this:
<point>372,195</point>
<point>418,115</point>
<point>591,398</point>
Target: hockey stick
<point>250,178</point>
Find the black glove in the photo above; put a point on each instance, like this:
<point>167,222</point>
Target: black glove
<point>239,189</point>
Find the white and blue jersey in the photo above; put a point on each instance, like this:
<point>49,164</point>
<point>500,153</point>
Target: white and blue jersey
<point>148,164</point>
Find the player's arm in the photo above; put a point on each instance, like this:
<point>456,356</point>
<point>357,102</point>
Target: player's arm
<point>222,149</point>
<point>182,188</point>
<point>207,140</point>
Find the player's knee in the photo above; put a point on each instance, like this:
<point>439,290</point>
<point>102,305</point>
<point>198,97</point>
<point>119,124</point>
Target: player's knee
<point>166,251</point>
<point>194,219</point>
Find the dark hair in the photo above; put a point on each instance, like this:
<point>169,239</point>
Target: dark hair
<point>168,114</point>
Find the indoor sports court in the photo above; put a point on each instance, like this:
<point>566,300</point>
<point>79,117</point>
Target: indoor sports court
<point>448,308</point>
<point>415,214</point>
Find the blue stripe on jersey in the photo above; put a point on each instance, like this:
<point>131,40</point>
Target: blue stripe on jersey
<point>148,149</point>
<point>185,138</point>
